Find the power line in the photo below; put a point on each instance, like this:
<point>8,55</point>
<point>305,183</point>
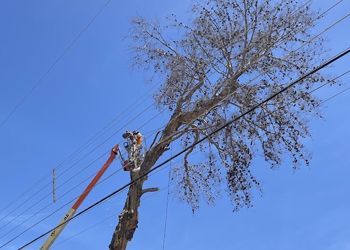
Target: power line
<point>48,205</point>
<point>74,40</point>
<point>325,30</point>
<point>330,8</point>
<point>329,26</point>
<point>76,174</point>
<point>336,95</point>
<point>58,209</point>
<point>169,174</point>
<point>79,150</point>
<point>289,53</point>
<point>339,1</point>
<point>74,164</point>
<point>107,218</point>
<point>168,185</point>
<point>143,175</point>
<point>55,211</point>
<point>329,82</point>
<point>56,61</point>
<point>32,215</point>
<point>168,192</point>
<point>85,145</point>
<point>319,87</point>
<point>165,188</point>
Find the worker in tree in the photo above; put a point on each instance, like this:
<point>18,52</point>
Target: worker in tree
<point>133,146</point>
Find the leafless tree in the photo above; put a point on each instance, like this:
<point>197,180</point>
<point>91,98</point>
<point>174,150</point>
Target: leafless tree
<point>232,55</point>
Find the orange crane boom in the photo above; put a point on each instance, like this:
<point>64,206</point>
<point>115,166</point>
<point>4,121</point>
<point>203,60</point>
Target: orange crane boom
<point>55,233</point>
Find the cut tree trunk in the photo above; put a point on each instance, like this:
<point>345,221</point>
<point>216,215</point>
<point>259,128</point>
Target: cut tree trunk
<point>128,218</point>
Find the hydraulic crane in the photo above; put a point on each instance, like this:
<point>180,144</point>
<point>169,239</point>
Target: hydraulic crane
<point>133,146</point>
<point>55,233</point>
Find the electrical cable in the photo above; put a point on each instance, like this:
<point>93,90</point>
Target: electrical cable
<point>105,219</point>
<point>336,95</point>
<point>168,185</point>
<point>339,2</point>
<point>336,22</point>
<point>165,188</point>
<point>143,175</point>
<point>53,65</point>
<point>55,211</point>
<point>30,198</point>
<point>283,58</point>
<point>95,135</point>
<point>43,208</point>
<point>320,16</point>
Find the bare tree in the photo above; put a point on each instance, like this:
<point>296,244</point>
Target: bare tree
<point>232,55</point>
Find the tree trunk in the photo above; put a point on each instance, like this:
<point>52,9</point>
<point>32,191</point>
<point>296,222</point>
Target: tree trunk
<point>128,218</point>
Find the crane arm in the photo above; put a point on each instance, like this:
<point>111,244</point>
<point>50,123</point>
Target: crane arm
<point>55,233</point>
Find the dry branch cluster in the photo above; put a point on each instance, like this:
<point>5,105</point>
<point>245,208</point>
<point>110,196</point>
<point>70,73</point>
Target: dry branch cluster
<point>233,55</point>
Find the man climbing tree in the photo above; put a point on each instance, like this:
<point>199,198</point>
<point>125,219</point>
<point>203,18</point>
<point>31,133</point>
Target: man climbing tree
<point>232,55</point>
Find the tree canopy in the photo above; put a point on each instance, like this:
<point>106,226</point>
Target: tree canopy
<point>232,55</point>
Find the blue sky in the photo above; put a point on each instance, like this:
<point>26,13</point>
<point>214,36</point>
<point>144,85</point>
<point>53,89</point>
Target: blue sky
<point>93,83</point>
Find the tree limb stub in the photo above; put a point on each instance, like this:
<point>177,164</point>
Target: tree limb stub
<point>149,190</point>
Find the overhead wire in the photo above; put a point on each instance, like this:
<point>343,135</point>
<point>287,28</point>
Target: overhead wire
<point>332,24</point>
<point>39,81</point>
<point>59,197</point>
<point>53,212</point>
<point>329,82</point>
<point>340,1</point>
<point>336,95</point>
<point>53,65</point>
<point>70,157</point>
<point>236,118</point>
<point>306,3</point>
<point>30,198</point>
<point>330,8</point>
<point>167,189</point>
<point>169,174</point>
<point>27,190</point>
<point>283,58</point>
<point>164,188</point>
<point>99,223</point>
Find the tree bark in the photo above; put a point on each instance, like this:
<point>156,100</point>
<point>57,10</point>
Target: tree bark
<point>128,218</point>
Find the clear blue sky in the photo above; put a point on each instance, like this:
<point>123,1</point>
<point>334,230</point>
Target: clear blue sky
<point>94,82</point>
